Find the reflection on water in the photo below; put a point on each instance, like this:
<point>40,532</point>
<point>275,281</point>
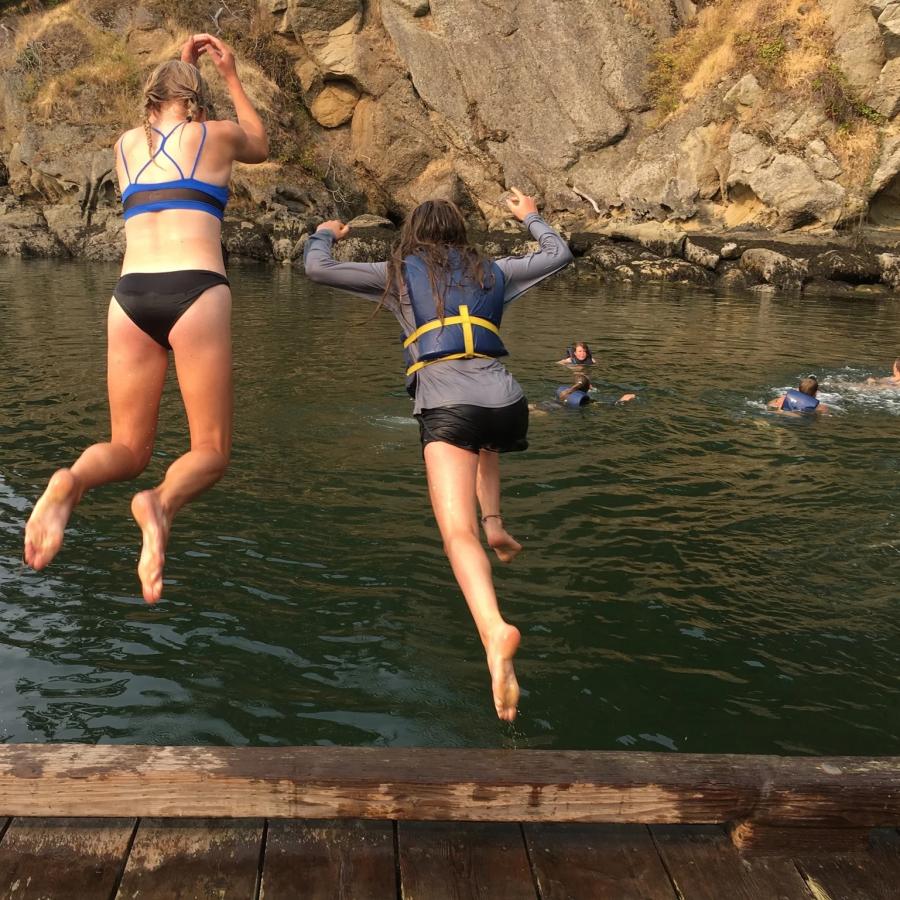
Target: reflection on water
<point>699,574</point>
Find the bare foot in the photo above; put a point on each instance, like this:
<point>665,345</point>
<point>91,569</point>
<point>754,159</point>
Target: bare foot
<point>500,540</point>
<point>501,648</point>
<point>154,524</point>
<point>44,531</point>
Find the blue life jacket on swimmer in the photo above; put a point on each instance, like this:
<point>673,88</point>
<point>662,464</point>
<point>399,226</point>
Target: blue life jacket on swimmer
<point>470,327</point>
<point>181,193</point>
<point>575,400</point>
<point>574,361</point>
<point>797,401</point>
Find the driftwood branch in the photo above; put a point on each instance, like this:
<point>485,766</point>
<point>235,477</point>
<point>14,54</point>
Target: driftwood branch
<point>589,199</point>
<point>219,11</point>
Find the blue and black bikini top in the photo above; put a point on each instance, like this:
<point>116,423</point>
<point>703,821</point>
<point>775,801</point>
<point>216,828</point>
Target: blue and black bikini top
<point>181,193</point>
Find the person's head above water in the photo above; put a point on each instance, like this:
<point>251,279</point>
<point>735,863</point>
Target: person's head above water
<point>175,84</point>
<point>581,352</point>
<point>809,385</point>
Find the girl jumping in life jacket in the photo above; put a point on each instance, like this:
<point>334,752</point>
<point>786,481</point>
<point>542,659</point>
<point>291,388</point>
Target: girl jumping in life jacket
<point>449,301</point>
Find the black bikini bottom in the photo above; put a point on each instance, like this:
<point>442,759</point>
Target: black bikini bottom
<point>155,301</point>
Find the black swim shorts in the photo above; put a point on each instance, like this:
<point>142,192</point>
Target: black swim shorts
<point>477,427</point>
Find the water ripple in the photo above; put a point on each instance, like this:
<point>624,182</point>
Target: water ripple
<point>699,572</point>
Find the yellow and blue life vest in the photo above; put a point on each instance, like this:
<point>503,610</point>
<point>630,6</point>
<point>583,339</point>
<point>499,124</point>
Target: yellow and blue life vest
<point>470,327</point>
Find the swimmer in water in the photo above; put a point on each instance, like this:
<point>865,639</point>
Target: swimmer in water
<point>579,355</point>
<point>801,400</point>
<point>449,300</point>
<point>581,387</point>
<point>174,171</point>
<point>575,396</point>
<point>892,380</point>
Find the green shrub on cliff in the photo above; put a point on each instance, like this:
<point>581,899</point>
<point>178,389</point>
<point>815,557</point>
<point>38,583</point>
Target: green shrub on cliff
<point>833,92</point>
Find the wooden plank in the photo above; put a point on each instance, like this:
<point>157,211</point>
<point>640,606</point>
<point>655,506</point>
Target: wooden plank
<point>603,862</point>
<point>871,875</point>
<point>464,785</point>
<point>59,858</point>
<point>449,861</point>
<point>750,837</point>
<point>344,860</point>
<point>704,865</point>
<point>193,858</point>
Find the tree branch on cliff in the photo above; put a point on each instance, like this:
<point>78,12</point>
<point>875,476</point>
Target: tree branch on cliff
<point>331,174</point>
<point>215,18</point>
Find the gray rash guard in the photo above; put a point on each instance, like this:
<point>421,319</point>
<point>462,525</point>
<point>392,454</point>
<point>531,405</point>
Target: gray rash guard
<point>479,382</point>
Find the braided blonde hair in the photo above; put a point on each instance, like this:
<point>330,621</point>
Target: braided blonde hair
<point>175,80</point>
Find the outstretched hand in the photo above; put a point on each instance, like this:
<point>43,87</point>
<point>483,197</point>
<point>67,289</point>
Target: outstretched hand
<point>217,50</point>
<point>190,52</point>
<point>336,227</point>
<point>520,205</point>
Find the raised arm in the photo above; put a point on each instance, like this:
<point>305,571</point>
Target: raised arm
<point>248,135</point>
<point>524,272</point>
<point>363,279</point>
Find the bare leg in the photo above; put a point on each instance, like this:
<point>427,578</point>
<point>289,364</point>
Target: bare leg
<point>487,486</point>
<point>201,340</point>
<point>136,370</point>
<point>452,474</point>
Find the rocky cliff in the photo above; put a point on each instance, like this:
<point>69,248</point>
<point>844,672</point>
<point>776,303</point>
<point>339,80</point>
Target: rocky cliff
<point>707,117</point>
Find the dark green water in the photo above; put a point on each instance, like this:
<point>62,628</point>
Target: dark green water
<point>699,574</point>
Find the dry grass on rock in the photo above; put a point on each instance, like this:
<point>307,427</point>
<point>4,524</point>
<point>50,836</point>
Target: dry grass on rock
<point>788,45</point>
<point>68,70</point>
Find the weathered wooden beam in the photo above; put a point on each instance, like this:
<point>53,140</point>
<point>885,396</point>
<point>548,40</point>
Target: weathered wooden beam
<point>463,785</point>
<point>792,840</point>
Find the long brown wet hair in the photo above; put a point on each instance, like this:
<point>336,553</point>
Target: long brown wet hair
<point>433,231</point>
<point>174,80</point>
<point>582,383</point>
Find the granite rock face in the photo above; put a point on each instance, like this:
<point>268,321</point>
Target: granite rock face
<point>395,101</point>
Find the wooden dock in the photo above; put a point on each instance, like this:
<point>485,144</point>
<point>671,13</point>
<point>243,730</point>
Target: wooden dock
<point>88,822</point>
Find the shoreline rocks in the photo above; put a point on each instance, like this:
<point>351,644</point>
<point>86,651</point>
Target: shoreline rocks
<point>867,263</point>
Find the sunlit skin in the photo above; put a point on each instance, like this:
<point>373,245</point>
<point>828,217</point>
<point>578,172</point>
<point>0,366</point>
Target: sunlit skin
<point>164,241</point>
<point>892,380</point>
